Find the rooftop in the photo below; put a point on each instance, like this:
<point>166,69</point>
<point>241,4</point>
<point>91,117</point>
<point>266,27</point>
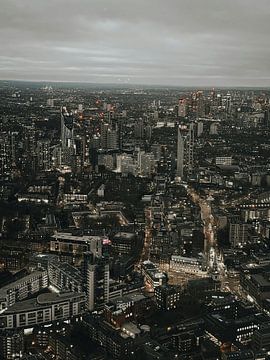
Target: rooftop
<point>71,237</point>
<point>41,301</point>
<point>16,283</point>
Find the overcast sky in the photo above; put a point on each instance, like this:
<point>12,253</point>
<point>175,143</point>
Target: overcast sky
<point>171,42</point>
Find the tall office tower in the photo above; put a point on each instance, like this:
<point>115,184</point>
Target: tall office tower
<point>228,103</point>
<point>180,153</point>
<point>200,104</point>
<point>43,155</point>
<point>56,156</point>
<point>207,107</point>
<point>103,135</point>
<point>139,129</point>
<point>146,163</point>
<point>213,95</point>
<point>28,160</point>
<point>112,139</point>
<point>266,119</point>
<point>119,127</point>
<point>97,281</point>
<point>219,100</point>
<point>185,151</point>
<point>29,139</point>
<point>80,143</point>
<point>5,154</point>
<point>182,108</point>
<point>148,132</point>
<point>190,149</point>
<point>199,128</point>
<point>109,116</point>
<point>109,136</point>
<point>67,137</point>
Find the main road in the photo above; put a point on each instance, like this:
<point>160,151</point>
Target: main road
<point>147,235</point>
<point>211,251</point>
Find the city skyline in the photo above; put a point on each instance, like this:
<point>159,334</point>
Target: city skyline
<point>134,180</point>
<point>181,43</point>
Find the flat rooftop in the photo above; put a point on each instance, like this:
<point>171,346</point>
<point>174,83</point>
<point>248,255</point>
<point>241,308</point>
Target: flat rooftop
<point>71,237</point>
<point>124,235</point>
<point>42,301</point>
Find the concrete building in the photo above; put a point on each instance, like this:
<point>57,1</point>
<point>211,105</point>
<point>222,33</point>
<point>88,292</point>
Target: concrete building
<point>11,344</point>
<point>67,138</point>
<point>180,154</point>
<point>239,233</point>
<point>261,338</point>
<point>168,296</point>
<point>188,265</point>
<point>65,277</point>
<point>46,308</point>
<point>76,244</point>
<point>22,288</point>
<point>97,281</point>
<point>146,163</point>
<point>153,277</point>
<point>224,160</point>
<point>43,155</point>
<point>124,243</point>
<point>182,108</point>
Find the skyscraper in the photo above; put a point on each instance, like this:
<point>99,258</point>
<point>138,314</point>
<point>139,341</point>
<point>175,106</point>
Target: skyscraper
<point>200,104</point>
<point>182,108</point>
<point>67,137</point>
<point>185,149</point>
<point>104,127</point>
<point>112,139</point>
<point>139,129</point>
<point>228,103</point>
<point>43,154</point>
<point>190,149</point>
<point>180,154</point>
<point>5,155</point>
<point>97,280</point>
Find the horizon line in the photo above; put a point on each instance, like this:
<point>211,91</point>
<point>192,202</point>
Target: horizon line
<point>139,84</point>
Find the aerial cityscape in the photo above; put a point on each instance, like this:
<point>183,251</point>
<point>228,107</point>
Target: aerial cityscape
<point>134,180</point>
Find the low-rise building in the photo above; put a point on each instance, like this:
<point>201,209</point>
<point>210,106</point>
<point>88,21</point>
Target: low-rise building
<point>188,265</point>
<point>152,275</point>
<point>261,338</point>
<point>168,296</point>
<point>124,243</point>
<point>11,344</point>
<point>76,244</point>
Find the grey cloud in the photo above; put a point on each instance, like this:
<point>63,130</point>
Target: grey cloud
<point>178,42</point>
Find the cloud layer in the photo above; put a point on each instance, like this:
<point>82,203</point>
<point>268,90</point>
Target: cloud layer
<point>173,42</point>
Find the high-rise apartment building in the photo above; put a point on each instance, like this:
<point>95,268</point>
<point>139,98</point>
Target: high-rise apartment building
<point>43,155</point>
<point>109,137</point>
<point>185,150</point>
<point>182,108</point>
<point>97,281</point>
<point>5,154</point>
<point>180,153</point>
<point>67,137</point>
